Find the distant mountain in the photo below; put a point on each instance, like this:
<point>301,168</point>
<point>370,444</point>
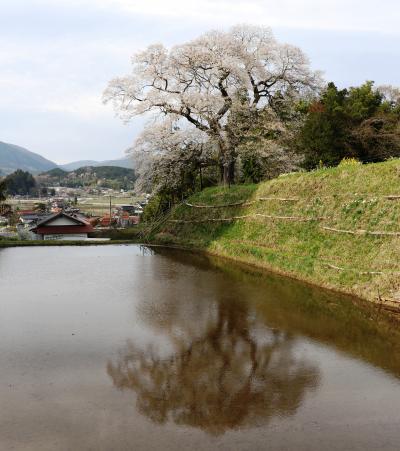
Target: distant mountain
<point>120,163</point>
<point>14,157</point>
<point>77,164</point>
<point>124,162</point>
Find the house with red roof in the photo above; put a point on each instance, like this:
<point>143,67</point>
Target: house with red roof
<point>62,226</point>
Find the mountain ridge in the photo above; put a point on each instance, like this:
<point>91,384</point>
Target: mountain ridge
<point>123,162</point>
<point>13,157</point>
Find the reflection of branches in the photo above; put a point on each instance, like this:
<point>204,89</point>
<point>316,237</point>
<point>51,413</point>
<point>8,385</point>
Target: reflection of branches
<point>237,373</point>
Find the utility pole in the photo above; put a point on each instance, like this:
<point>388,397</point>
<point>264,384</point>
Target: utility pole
<point>110,213</point>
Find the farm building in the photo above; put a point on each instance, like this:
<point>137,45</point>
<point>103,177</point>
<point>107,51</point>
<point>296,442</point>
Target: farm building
<point>62,226</point>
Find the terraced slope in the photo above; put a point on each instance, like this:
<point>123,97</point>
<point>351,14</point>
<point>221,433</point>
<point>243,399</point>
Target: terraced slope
<point>337,227</point>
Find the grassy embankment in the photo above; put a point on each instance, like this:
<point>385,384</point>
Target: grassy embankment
<point>284,230</point>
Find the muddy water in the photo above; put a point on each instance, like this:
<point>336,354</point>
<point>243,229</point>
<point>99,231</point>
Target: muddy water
<point>121,348</point>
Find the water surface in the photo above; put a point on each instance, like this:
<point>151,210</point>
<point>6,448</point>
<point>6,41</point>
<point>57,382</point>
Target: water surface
<point>122,348</point>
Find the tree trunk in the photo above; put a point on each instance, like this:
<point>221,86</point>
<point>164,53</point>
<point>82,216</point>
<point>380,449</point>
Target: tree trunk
<point>221,172</point>
<point>201,179</point>
<point>229,173</point>
<point>231,169</point>
<point>227,160</point>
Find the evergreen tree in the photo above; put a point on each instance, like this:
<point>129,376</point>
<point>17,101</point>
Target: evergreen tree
<point>323,137</point>
<point>20,182</point>
<point>2,190</point>
<point>356,123</point>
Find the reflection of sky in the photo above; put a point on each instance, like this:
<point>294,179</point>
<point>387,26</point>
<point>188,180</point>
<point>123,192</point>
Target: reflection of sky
<point>56,57</point>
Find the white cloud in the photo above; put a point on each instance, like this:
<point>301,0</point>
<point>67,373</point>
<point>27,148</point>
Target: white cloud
<point>61,76</point>
<point>361,15</point>
<point>57,56</point>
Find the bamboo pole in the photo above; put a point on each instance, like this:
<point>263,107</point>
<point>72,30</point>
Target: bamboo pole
<point>252,216</point>
<point>244,203</point>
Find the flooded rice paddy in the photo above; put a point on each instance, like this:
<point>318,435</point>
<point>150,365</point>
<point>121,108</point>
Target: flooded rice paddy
<point>124,348</point>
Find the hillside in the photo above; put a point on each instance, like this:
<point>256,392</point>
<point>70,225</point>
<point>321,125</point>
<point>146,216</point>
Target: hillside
<point>107,172</point>
<point>337,227</point>
<point>90,176</point>
<point>56,172</point>
<point>121,163</point>
<point>14,157</point>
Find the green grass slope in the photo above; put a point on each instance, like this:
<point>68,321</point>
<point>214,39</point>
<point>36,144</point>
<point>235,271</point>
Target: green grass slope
<point>337,227</point>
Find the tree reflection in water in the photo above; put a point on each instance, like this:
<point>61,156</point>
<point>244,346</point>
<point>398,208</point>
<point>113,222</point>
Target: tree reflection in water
<point>226,370</point>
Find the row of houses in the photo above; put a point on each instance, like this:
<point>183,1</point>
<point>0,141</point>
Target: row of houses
<point>58,220</point>
<point>70,224</point>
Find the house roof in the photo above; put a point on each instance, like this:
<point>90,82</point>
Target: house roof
<point>27,212</point>
<point>48,219</point>
<point>62,230</point>
<point>44,227</point>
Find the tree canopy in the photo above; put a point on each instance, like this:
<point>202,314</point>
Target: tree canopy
<point>359,122</point>
<point>20,182</point>
<point>203,80</point>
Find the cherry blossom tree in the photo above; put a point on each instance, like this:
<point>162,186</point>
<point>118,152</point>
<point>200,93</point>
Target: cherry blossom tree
<point>169,157</point>
<point>202,81</point>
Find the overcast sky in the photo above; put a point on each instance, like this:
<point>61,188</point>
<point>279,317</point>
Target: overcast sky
<point>56,57</point>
